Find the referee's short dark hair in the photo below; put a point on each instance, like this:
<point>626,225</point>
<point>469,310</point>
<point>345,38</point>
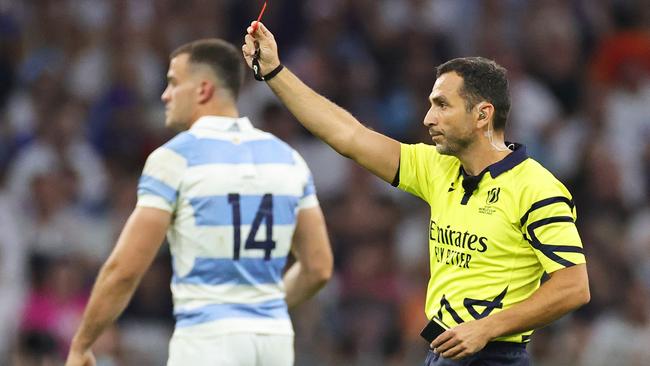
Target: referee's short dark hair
<point>222,57</point>
<point>483,80</point>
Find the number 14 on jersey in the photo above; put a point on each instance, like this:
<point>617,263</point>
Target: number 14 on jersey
<point>264,214</point>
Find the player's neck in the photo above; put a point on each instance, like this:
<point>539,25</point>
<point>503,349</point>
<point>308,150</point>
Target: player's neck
<point>224,107</point>
<point>215,109</point>
<point>228,110</point>
<point>479,156</point>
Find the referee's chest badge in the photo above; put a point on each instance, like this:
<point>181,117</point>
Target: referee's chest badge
<point>493,195</point>
<point>492,198</point>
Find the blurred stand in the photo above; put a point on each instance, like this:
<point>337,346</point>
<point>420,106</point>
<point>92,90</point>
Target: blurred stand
<point>80,83</point>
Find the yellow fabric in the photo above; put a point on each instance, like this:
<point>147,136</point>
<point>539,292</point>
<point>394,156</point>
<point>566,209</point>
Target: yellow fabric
<point>489,253</point>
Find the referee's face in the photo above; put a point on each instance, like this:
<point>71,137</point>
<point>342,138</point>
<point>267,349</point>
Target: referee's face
<point>179,96</point>
<point>450,124</point>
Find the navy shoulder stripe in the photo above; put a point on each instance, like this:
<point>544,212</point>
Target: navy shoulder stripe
<point>549,220</point>
<point>550,250</point>
<point>543,203</point>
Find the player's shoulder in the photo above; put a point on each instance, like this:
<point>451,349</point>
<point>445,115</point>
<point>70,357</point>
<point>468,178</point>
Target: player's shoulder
<point>176,149</point>
<point>262,135</point>
<point>181,141</point>
<point>177,145</point>
<point>276,143</point>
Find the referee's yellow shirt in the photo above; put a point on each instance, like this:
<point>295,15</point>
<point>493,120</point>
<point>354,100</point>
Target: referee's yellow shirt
<point>489,248</point>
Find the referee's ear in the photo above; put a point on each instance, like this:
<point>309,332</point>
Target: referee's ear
<point>483,114</point>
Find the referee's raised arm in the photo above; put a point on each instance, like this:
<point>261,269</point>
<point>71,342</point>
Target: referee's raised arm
<point>335,126</point>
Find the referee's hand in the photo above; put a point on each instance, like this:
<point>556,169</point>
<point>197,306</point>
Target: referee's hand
<point>461,341</point>
<point>262,40</point>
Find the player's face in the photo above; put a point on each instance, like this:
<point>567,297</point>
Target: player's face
<point>180,95</point>
<point>450,125</point>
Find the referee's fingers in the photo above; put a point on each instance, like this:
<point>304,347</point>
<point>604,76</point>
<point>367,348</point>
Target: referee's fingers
<point>249,46</point>
<point>455,353</point>
<point>447,345</point>
<point>261,33</point>
<point>265,31</point>
<point>442,338</point>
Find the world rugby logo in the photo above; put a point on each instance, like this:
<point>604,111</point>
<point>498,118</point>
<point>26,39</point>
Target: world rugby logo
<point>493,195</point>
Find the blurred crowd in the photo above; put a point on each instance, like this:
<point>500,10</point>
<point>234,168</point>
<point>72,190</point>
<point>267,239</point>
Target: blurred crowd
<point>80,109</point>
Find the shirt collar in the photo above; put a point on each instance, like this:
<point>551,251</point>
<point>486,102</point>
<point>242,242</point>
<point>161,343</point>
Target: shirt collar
<point>517,156</point>
<point>219,123</point>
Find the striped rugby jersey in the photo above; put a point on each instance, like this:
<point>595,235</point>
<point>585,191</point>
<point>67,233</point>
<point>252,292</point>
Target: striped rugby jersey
<point>234,193</point>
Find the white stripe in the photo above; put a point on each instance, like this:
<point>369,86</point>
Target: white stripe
<point>189,297</point>
<point>150,200</point>
<point>237,325</point>
<point>221,179</point>
<point>165,165</point>
<point>308,202</point>
<point>188,242</point>
<point>246,135</point>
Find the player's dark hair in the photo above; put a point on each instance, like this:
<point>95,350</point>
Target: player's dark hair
<point>483,80</point>
<point>222,57</point>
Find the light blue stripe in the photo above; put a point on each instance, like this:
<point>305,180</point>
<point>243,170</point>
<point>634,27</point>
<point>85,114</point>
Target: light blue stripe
<point>310,189</point>
<point>201,151</point>
<point>151,185</point>
<point>216,211</point>
<point>226,271</point>
<point>274,309</point>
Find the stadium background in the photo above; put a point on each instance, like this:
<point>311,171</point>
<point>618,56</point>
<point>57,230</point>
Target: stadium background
<point>80,109</point>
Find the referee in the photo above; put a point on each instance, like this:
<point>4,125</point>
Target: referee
<point>499,220</point>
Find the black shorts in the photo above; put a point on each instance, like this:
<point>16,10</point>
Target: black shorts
<point>493,354</point>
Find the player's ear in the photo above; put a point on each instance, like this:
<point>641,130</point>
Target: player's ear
<point>205,91</point>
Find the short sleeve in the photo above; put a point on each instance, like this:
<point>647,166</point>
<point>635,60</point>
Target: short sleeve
<point>160,180</point>
<point>308,198</point>
<point>548,224</point>
<point>414,169</point>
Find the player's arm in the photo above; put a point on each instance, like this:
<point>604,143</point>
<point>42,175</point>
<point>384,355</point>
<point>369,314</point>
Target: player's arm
<point>119,276</point>
<point>314,262</point>
<point>329,122</point>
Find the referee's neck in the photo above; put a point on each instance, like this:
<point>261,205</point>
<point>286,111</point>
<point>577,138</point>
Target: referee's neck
<point>475,160</point>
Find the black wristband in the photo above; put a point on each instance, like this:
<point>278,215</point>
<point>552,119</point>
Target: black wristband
<point>273,72</point>
<point>267,77</point>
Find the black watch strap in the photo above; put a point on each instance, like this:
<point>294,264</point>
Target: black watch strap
<point>273,72</point>
<point>257,73</point>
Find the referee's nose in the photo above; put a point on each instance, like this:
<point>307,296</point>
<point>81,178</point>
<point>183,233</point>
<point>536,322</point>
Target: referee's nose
<point>429,119</point>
